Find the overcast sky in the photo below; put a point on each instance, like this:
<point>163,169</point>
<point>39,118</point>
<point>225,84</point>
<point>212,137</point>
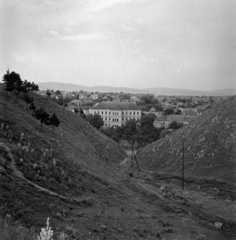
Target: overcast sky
<point>122,43</point>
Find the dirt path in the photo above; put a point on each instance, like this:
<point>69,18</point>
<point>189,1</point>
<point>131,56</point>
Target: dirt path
<point>150,189</point>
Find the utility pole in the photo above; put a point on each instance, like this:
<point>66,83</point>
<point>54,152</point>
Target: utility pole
<point>132,149</point>
<point>183,168</point>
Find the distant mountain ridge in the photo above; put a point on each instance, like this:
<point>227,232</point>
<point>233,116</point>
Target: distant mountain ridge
<point>156,91</point>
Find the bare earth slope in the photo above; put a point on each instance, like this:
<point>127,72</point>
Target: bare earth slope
<point>209,146</point>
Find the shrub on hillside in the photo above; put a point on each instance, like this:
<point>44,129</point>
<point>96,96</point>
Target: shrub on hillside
<point>175,125</point>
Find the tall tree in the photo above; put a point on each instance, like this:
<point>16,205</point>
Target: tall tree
<point>27,99</point>
<point>168,111</point>
<point>12,81</point>
<point>48,93</point>
<point>30,87</point>
<point>32,107</point>
<point>54,121</point>
<point>42,116</point>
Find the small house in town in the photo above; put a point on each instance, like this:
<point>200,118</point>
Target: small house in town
<point>134,99</point>
<point>94,96</point>
<point>162,121</point>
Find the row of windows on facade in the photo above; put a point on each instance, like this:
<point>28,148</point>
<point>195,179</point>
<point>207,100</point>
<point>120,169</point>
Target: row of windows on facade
<point>117,120</point>
<point>116,113</point>
<point>109,125</point>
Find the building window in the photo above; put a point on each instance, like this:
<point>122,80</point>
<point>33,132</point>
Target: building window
<point>105,112</point>
<point>102,112</point>
<point>122,113</point>
<point>137,113</point>
<point>98,112</point>
<point>130,113</point>
<point>134,113</point>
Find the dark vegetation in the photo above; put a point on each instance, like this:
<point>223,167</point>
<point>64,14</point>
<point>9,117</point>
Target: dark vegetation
<point>95,120</point>
<point>14,83</point>
<point>141,132</point>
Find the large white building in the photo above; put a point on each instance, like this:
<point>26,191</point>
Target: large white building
<point>116,113</point>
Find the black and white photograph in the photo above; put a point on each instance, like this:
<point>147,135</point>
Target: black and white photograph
<point>117,119</point>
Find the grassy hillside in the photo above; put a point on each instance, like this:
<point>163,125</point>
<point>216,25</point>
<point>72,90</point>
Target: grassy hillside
<point>84,157</point>
<point>209,146</point>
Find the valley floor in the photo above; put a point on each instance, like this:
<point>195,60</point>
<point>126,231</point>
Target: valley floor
<point>136,208</point>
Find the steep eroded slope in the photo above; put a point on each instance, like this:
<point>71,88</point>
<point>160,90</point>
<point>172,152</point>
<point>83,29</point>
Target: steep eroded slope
<point>209,144</point>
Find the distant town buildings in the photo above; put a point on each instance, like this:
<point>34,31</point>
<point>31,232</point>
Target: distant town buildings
<point>117,108</point>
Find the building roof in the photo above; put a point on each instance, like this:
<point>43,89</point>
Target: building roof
<point>159,113</point>
<point>189,109</point>
<point>80,101</point>
<point>180,118</point>
<point>190,113</point>
<point>201,110</point>
<point>84,107</point>
<point>152,109</point>
<point>164,118</point>
<point>116,106</point>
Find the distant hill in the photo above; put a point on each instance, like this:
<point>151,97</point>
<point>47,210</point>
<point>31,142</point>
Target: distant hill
<point>156,91</point>
<point>225,92</point>
<point>209,146</point>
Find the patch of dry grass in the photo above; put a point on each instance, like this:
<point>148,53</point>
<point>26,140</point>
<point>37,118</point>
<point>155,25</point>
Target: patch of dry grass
<point>14,231</point>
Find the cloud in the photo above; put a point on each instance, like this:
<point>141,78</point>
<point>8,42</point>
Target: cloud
<point>103,4</point>
<point>28,57</point>
<point>83,37</point>
<point>128,28</point>
<point>54,33</point>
